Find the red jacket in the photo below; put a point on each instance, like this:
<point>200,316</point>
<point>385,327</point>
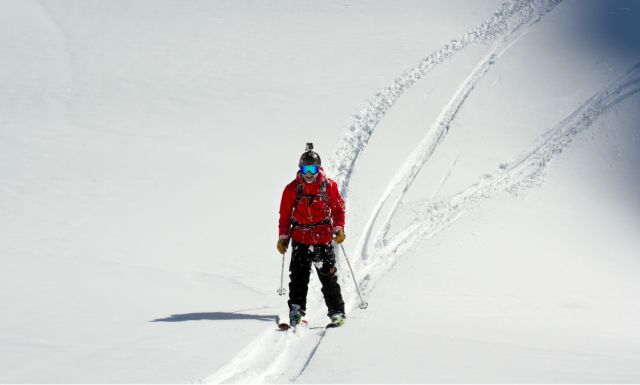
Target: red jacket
<point>311,210</point>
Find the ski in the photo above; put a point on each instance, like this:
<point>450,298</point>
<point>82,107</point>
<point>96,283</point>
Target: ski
<point>284,325</point>
<point>337,320</point>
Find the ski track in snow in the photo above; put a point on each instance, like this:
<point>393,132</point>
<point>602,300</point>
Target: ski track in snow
<point>405,175</point>
<point>525,171</point>
<point>507,18</point>
<point>283,357</point>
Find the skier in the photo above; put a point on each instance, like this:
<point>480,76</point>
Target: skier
<point>312,214</point>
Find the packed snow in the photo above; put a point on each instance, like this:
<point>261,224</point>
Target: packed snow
<point>489,154</point>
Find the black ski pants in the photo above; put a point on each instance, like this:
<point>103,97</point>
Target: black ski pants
<point>324,260</point>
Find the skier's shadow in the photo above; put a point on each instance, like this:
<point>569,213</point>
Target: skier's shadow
<point>216,316</point>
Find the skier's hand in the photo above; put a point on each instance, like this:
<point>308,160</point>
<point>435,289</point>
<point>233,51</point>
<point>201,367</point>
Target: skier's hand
<point>282,245</point>
<point>339,236</point>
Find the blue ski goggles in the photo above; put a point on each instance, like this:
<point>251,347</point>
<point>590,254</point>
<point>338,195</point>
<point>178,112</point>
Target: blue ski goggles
<point>312,168</point>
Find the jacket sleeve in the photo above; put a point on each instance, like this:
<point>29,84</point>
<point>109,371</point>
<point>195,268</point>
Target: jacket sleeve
<point>286,205</point>
<point>336,203</point>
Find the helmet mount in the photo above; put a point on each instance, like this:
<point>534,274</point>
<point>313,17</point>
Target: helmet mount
<point>309,157</point>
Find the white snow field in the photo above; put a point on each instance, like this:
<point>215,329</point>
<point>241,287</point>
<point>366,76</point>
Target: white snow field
<point>489,153</point>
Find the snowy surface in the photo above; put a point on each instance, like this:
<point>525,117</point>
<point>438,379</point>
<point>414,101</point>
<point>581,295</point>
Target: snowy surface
<point>489,154</point>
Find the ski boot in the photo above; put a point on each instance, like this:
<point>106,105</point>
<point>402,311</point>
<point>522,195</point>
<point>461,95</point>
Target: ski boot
<point>337,320</point>
<point>295,316</point>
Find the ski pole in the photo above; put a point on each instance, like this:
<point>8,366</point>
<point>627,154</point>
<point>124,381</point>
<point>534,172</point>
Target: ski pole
<point>282,290</point>
<point>363,304</point>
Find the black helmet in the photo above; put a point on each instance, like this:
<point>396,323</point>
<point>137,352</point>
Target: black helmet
<point>309,156</point>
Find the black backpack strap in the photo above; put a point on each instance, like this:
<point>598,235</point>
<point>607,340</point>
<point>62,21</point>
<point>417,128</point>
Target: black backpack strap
<point>323,192</point>
<point>326,221</point>
<point>298,195</point>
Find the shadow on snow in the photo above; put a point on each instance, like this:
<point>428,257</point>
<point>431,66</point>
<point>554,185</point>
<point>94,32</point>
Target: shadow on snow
<point>216,316</point>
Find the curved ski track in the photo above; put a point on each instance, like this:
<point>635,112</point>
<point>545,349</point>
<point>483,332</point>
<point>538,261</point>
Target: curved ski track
<point>406,174</point>
<point>506,19</point>
<point>283,357</point>
<point>525,171</point>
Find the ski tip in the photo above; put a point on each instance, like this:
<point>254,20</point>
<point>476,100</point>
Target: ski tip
<point>284,326</point>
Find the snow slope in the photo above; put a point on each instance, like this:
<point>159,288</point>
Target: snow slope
<point>528,272</point>
<point>540,353</point>
<point>492,189</point>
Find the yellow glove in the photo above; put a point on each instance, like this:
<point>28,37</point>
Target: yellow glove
<point>282,245</point>
<point>339,236</point>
